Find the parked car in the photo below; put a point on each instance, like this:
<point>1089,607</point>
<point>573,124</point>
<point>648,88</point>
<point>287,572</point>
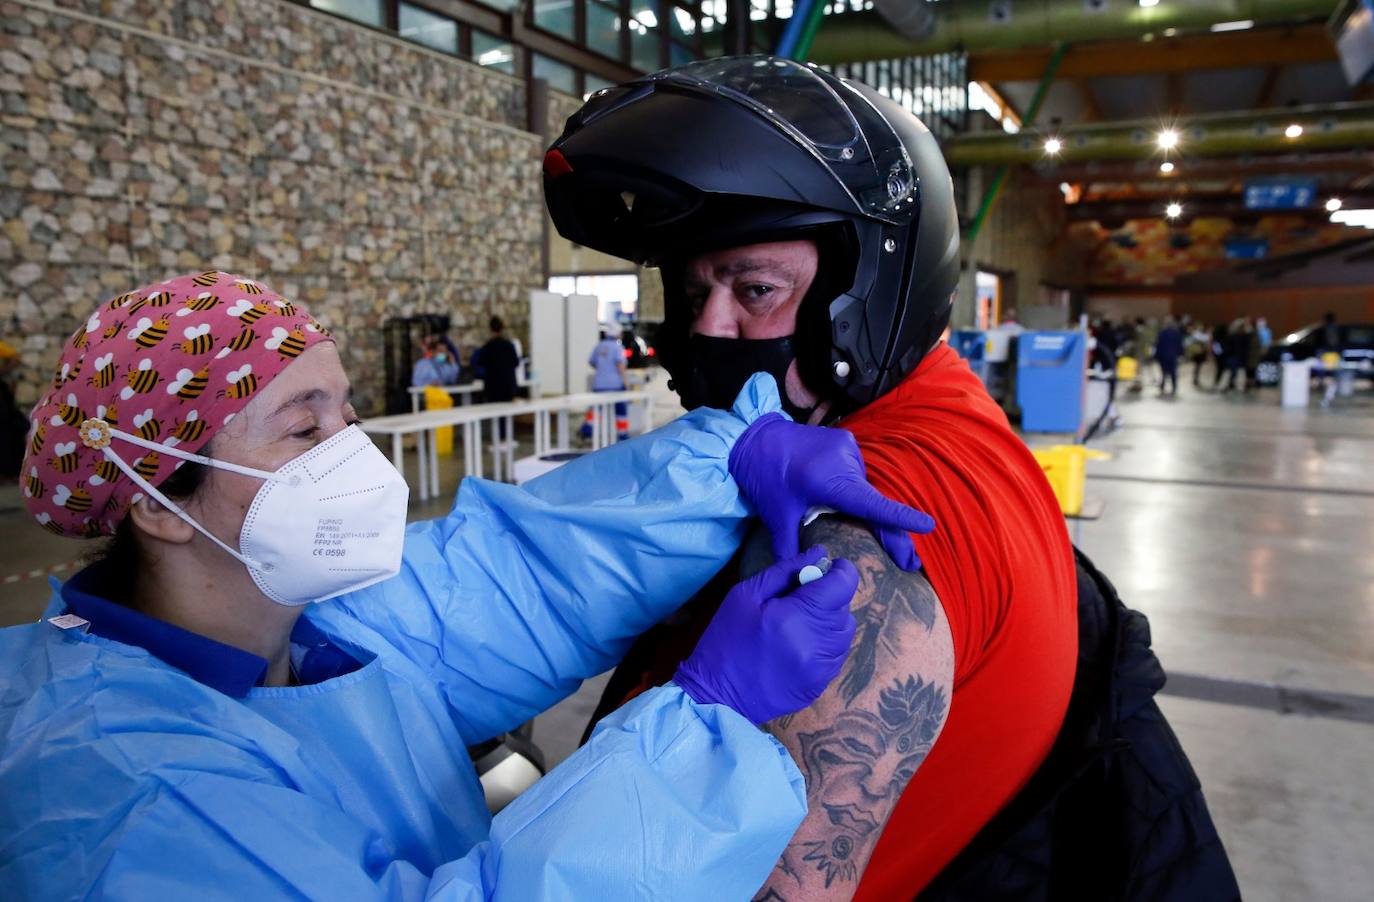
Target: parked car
<point>1357,344</point>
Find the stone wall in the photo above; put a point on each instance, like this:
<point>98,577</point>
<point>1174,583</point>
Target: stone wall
<point>350,170</point>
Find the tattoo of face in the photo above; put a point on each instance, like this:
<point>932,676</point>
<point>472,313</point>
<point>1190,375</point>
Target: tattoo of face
<point>862,762</point>
<point>894,601</point>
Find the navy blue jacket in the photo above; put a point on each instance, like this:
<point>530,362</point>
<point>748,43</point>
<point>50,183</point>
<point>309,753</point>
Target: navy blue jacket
<point>1169,346</point>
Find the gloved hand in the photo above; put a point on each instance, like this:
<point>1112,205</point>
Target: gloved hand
<point>774,646</point>
<point>786,469</point>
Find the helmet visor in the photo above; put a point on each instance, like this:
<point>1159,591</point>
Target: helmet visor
<point>849,135</point>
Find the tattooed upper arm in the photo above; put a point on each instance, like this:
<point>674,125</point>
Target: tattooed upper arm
<point>861,743</point>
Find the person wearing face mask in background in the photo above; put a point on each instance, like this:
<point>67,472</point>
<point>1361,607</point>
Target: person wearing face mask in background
<point>438,366</point>
<point>183,722</point>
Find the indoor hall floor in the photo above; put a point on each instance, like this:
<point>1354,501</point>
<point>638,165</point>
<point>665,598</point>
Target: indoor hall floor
<point>1244,531</point>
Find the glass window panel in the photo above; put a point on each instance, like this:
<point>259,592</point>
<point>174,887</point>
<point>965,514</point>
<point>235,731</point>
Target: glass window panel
<point>555,16</point>
<point>504,5</point>
<point>679,55</point>
<point>758,10</point>
<point>644,48</point>
<point>603,29</point>
<point>682,25</point>
<point>645,12</point>
<point>561,77</point>
<point>496,53</point>
<point>425,27</point>
<point>369,12</point>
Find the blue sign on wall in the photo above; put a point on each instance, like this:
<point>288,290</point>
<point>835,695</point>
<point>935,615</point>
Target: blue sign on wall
<point>1280,194</point>
<point>1247,248</point>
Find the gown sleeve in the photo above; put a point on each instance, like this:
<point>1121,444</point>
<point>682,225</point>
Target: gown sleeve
<point>522,592</point>
<point>669,800</point>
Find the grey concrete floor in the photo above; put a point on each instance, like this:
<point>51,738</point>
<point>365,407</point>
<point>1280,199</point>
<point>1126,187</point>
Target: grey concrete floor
<point>1244,532</point>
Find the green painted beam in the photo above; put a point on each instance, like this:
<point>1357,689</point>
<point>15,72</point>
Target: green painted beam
<point>813,25</point>
<point>995,189</point>
<point>1325,127</point>
<point>858,37</point>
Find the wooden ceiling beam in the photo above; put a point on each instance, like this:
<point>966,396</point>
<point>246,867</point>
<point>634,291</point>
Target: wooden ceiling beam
<point>1228,50</point>
<point>1270,87</point>
<point>1092,112</point>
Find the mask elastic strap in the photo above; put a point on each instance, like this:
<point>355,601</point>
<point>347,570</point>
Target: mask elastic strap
<point>172,506</point>
<point>201,459</point>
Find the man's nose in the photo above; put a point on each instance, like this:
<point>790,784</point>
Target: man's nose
<point>719,316</point>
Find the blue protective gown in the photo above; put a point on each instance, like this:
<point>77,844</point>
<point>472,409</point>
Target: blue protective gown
<point>122,776</point>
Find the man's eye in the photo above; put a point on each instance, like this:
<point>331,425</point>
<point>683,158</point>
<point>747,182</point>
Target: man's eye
<point>755,292</point>
<point>306,433</point>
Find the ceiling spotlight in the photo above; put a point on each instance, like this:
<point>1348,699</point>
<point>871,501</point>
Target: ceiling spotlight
<point>1293,131</point>
<point>1360,218</point>
<point>1333,205</point>
<point>1053,145</point>
<point>1174,210</point>
<point>1239,25</point>
<point>1166,167</point>
<point>1168,139</point>
<point>1146,4</point>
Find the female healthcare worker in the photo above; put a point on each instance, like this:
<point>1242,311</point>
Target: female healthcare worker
<point>175,728</point>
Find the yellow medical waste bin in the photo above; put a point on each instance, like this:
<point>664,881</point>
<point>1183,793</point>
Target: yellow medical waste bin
<point>1127,368</point>
<point>1065,467</point>
<point>438,399</point>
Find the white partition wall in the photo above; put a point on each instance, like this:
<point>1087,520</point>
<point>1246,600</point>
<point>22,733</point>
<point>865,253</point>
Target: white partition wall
<point>547,342</point>
<point>563,331</point>
<point>584,331</point>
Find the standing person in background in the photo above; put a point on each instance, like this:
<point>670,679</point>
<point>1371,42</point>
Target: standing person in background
<point>608,362</point>
<point>1198,344</point>
<point>14,425</point>
<point>1146,335</point>
<point>1236,352</point>
<point>1254,352</point>
<point>498,361</point>
<point>438,366</point>
<point>1330,337</point>
<point>1220,336</point>
<point>1168,351</point>
<point>1266,334</point>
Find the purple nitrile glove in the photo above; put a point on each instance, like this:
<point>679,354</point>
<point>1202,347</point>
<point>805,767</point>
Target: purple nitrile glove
<point>774,645</point>
<point>786,469</point>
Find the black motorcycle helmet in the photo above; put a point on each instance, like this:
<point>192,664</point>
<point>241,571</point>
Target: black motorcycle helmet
<point>743,150</point>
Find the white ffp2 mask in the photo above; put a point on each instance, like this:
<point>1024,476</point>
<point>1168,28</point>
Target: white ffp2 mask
<point>330,521</point>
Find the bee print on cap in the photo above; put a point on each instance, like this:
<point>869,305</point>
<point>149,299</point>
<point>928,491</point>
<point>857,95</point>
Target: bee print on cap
<point>189,429</point>
<point>104,371</point>
<point>146,426</point>
<point>65,460</point>
<point>69,413</point>
<point>242,383</point>
<point>190,385</point>
<point>288,344</point>
<point>76,500</point>
<point>141,380</point>
<point>199,304</point>
<point>198,339</point>
<point>148,332</point>
<point>248,312</point>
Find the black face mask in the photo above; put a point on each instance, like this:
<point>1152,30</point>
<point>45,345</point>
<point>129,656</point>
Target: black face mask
<point>716,369</point>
